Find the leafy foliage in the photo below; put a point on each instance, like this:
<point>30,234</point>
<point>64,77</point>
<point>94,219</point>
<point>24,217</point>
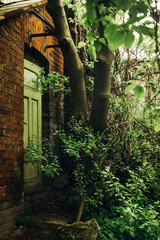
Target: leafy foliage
<point>85,149</point>
<point>21,220</point>
<point>52,81</point>
<point>133,217</point>
<point>130,186</point>
<point>132,176</point>
<point>44,155</point>
<point>119,169</point>
<point>119,21</point>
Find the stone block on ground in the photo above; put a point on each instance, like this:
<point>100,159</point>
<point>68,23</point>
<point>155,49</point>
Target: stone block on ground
<point>79,230</point>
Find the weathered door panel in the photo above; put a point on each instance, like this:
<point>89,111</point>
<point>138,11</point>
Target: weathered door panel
<point>32,126</point>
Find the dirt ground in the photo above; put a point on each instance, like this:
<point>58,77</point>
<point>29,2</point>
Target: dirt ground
<point>59,214</point>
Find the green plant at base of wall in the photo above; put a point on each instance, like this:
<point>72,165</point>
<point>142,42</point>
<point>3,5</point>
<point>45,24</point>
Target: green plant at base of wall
<point>44,154</point>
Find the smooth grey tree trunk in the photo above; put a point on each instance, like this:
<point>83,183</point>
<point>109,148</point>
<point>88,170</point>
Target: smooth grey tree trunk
<point>102,86</point>
<point>73,66</point>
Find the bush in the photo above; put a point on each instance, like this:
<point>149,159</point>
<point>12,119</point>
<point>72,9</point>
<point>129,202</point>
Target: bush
<point>133,216</point>
<point>44,154</point>
<point>84,148</point>
<point>122,167</point>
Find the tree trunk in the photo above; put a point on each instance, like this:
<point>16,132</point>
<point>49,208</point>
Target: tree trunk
<point>81,207</point>
<point>102,85</point>
<point>73,66</point>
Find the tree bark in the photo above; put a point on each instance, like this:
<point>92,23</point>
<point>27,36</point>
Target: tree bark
<point>73,66</point>
<point>81,207</point>
<point>102,85</point>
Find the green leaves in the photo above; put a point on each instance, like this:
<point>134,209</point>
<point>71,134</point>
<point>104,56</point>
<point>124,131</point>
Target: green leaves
<point>137,12</point>
<point>118,35</point>
<point>154,88</point>
<point>54,81</point>
<point>117,31</point>
<point>44,155</point>
<point>157,123</point>
<point>114,36</point>
<point>138,90</point>
<point>118,40</point>
<point>144,30</point>
<point>122,4</point>
<point>91,12</point>
<point>92,52</point>
<point>90,37</point>
<point>97,45</point>
<point>129,88</point>
<point>102,40</point>
<point>109,31</point>
<point>129,39</point>
<point>81,44</point>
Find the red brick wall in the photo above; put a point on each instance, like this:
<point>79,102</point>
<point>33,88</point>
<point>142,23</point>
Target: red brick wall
<point>54,55</point>
<point>13,37</point>
<point>36,25</point>
<point>11,108</point>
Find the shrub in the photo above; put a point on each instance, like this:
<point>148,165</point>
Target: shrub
<point>44,154</point>
<point>133,216</point>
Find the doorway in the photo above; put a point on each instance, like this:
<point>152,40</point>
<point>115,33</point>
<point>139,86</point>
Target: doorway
<point>32,125</point>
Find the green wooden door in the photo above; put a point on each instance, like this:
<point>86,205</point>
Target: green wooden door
<point>32,125</point>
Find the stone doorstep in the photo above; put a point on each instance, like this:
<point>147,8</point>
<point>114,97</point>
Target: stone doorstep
<point>46,224</point>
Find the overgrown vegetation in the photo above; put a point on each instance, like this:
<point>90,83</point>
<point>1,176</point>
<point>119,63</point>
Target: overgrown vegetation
<point>116,172</point>
<point>119,172</point>
<point>48,81</point>
<point>43,153</point>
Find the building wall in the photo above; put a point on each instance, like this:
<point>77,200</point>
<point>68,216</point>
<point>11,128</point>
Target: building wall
<point>13,39</point>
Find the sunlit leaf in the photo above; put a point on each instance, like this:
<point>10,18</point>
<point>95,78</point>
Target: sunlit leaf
<point>102,40</point>
<point>117,40</point>
<point>90,37</point>
<point>151,83</point>
<point>157,120</point>
<point>140,39</point>
<point>156,111</point>
<point>129,88</point>
<point>70,5</point>
<point>86,24</point>
<point>139,92</point>
<point>154,90</point>
<point>92,52</point>
<point>129,39</point>
<point>157,127</point>
<point>121,13</point>
<point>81,44</point>
<point>110,31</point>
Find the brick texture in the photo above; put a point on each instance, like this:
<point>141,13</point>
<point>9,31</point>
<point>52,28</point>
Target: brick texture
<point>13,39</point>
